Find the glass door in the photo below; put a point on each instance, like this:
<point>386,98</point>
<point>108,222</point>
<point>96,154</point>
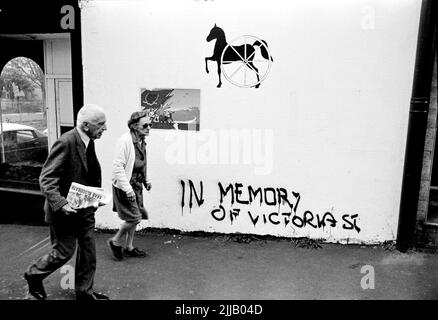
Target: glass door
<point>23,126</point>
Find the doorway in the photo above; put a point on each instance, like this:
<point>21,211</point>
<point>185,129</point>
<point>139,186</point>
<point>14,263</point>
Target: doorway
<point>33,29</point>
<point>36,106</point>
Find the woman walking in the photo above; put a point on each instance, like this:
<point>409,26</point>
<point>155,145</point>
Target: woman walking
<point>129,175</point>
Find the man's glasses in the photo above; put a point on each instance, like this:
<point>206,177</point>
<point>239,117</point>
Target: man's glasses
<point>146,125</point>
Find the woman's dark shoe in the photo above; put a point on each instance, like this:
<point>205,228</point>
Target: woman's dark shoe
<point>115,250</point>
<point>134,253</point>
<point>36,287</point>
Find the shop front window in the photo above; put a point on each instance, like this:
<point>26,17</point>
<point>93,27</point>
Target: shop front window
<point>23,129</point>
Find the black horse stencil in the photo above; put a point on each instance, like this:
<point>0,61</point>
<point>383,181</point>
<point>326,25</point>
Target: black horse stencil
<point>244,54</point>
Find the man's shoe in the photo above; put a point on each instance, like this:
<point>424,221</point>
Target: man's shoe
<point>134,253</point>
<point>115,250</point>
<point>91,297</point>
<point>100,296</point>
<point>36,287</point>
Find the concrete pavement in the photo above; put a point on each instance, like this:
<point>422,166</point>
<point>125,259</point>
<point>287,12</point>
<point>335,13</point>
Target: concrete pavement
<point>181,266</point>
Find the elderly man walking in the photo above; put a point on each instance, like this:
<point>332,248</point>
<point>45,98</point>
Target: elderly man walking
<point>71,159</point>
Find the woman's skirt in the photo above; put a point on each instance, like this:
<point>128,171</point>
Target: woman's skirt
<point>129,211</point>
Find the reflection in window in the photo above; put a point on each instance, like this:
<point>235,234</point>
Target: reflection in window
<point>23,146</point>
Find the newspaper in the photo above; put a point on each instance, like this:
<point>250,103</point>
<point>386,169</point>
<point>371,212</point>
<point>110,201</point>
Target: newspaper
<point>80,196</point>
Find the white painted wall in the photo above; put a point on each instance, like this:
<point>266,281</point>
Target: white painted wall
<point>332,113</point>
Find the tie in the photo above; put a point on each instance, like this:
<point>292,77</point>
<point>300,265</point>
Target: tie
<point>93,171</point>
<point>90,154</point>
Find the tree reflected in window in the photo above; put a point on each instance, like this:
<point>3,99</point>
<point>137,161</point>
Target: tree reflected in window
<point>23,130</point>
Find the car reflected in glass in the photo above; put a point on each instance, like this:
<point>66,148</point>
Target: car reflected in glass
<point>22,144</point>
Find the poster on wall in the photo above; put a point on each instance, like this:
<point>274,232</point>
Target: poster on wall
<point>174,109</point>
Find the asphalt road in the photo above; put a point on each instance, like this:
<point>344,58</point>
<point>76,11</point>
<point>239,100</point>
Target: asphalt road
<point>219,267</point>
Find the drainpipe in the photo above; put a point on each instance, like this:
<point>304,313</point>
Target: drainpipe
<point>419,106</point>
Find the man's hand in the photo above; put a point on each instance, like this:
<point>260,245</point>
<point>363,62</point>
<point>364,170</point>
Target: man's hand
<point>68,210</point>
<point>148,186</point>
<point>131,196</point>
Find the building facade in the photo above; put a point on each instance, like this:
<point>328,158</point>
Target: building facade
<point>301,133</point>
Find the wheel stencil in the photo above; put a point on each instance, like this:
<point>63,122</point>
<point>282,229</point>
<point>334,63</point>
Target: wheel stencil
<point>243,72</point>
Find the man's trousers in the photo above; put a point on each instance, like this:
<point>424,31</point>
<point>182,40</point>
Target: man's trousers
<point>65,231</point>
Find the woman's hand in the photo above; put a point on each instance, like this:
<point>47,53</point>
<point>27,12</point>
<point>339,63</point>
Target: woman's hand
<point>148,186</point>
<point>130,195</point>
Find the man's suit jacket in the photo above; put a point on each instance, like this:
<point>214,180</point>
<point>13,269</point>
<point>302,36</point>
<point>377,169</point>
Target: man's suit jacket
<point>66,163</point>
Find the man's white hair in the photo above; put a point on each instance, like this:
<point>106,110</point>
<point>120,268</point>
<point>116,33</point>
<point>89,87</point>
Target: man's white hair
<point>89,113</point>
